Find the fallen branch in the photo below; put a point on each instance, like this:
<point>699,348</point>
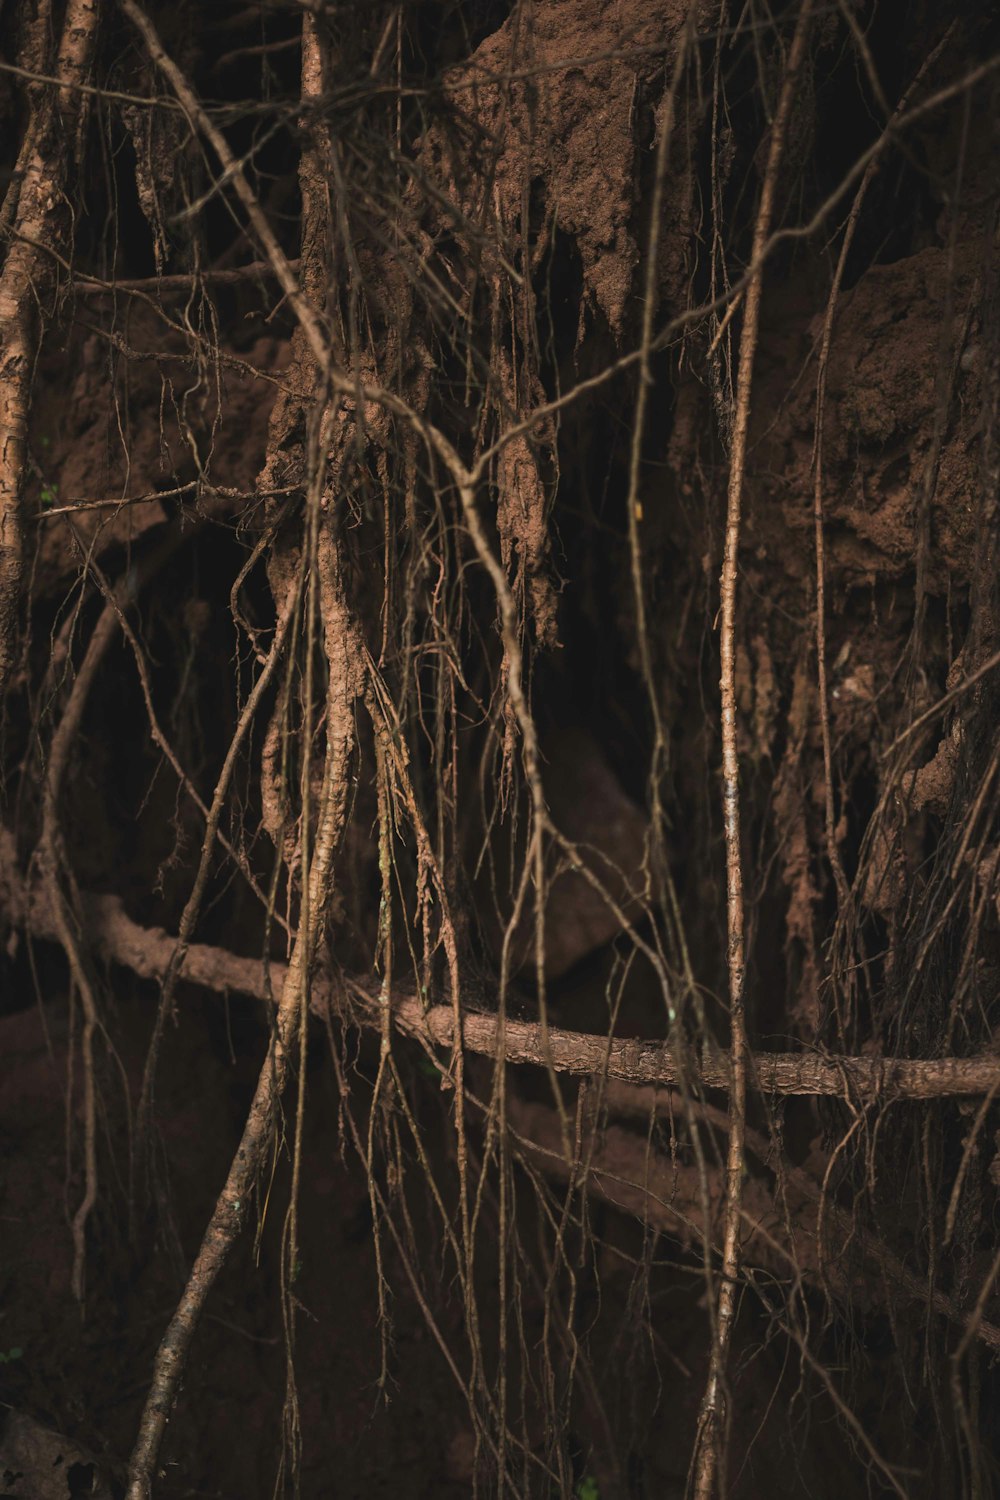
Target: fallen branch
<point>660,1194</point>
<point>636,1061</point>
<point>85,285</point>
<point>147,952</point>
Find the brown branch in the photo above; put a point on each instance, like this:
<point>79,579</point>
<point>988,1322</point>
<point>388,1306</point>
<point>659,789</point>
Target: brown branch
<point>230,1211</point>
<point>708,1456</point>
<point>89,90</point>
<point>655,1063</point>
<point>308,317</point>
<point>213,817</point>
<point>25,285</point>
<point>638,1072</point>
<point>784,1238</point>
<point>147,951</point>
<point>91,286</point>
<point>197,487</point>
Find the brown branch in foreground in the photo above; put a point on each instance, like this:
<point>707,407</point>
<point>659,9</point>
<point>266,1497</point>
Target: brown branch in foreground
<point>91,286</point>
<point>637,1072</point>
<point>25,287</point>
<point>636,1061</point>
<point>708,1457</point>
<point>147,951</point>
<point>230,1211</point>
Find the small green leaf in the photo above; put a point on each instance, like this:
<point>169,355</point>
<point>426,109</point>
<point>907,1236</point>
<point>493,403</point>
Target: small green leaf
<point>11,1355</point>
<point>587,1489</point>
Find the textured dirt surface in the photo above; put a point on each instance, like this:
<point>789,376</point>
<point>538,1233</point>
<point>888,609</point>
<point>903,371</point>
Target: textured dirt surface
<point>197,423</point>
<point>565,139</point>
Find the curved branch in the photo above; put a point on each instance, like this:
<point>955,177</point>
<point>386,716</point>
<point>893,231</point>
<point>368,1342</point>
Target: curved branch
<point>147,951</point>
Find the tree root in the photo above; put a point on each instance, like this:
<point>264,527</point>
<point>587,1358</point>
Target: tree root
<point>783,1230</point>
<point>147,951</point>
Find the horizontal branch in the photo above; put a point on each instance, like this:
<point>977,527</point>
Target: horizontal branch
<point>653,1062</point>
<point>233,276</point>
<point>147,952</point>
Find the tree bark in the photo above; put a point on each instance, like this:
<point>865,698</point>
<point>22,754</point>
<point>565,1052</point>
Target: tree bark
<point>27,283</point>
